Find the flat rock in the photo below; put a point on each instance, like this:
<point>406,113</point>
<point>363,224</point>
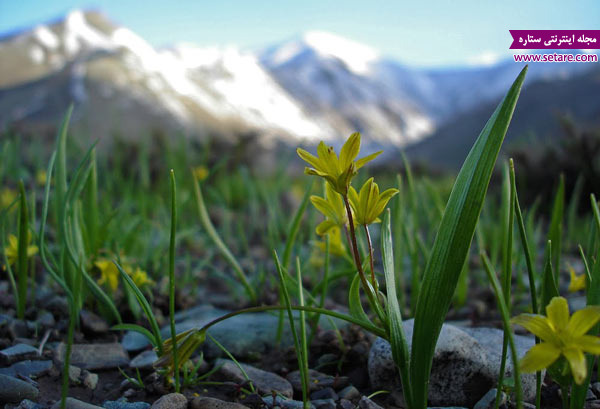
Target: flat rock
<point>72,403</point>
<point>488,401</point>
<point>123,404</point>
<point>17,353</point>
<point>28,404</point>
<point>265,382</point>
<point>144,360</point>
<point>91,322</point>
<point>366,403</point>
<point>285,403</point>
<point>94,356</point>
<point>212,403</point>
<point>323,403</point>
<point>27,368</point>
<point>171,401</point>
<point>13,390</point>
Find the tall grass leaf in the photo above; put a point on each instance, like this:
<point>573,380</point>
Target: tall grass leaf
<point>22,266</point>
<point>397,337</point>
<point>354,305</point>
<point>549,285</point>
<point>453,240</point>
<point>556,226</point>
<point>294,226</point>
<point>139,329</point>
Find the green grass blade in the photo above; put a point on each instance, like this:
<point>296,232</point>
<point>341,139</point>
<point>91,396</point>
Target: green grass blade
<point>453,240</point>
<point>172,279</point>
<point>556,226</point>
<point>549,286</point>
<point>303,344</point>
<point>505,314</point>
<point>295,226</point>
<point>216,239</point>
<point>397,337</point>
<point>139,329</point>
<point>354,305</point>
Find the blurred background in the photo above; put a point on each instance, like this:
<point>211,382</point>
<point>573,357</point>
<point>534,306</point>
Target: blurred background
<point>260,76</point>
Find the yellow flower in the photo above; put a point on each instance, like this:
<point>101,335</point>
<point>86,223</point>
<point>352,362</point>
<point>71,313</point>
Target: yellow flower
<point>578,282</point>
<point>336,246</point>
<point>139,277</point>
<point>187,342</point>
<point>109,273</point>
<point>7,196</point>
<point>12,250</point>
<point>337,171</point>
<point>200,172</point>
<point>561,335</point>
<point>369,203</point>
<point>332,206</point>
<point>40,177</point>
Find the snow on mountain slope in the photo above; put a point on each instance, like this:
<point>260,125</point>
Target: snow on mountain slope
<point>334,79</point>
<point>222,88</point>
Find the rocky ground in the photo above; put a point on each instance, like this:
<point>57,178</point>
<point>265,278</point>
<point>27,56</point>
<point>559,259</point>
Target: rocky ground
<point>343,374</point>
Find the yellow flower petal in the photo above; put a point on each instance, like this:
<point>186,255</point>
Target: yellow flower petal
<point>350,150</point>
<point>577,282</point>
<point>540,356</point>
<point>577,363</point>
<point>325,226</point>
<point>558,313</point>
<point>587,343</point>
<point>538,325</point>
<point>308,157</point>
<point>361,162</point>
<point>583,320</point>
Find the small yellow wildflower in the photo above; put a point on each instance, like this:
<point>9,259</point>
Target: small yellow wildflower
<point>140,277</point>
<point>12,250</point>
<point>109,273</point>
<point>40,177</point>
<point>332,206</point>
<point>578,282</point>
<point>562,335</point>
<point>336,247</point>
<point>369,203</point>
<point>187,342</point>
<point>337,171</point>
<point>7,196</point>
<point>200,172</point>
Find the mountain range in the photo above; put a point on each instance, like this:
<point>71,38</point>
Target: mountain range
<point>317,86</point>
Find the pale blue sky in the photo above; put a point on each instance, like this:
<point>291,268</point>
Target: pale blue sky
<point>417,33</point>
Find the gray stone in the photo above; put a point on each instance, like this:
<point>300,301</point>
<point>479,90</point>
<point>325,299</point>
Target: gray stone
<point>265,382</point>
<point>17,353</point>
<point>72,403</point>
<point>171,401</point>
<point>346,404</point>
<point>46,319</point>
<point>488,401</point>
<point>144,360</point>
<point>74,375</point>
<point>285,403</point>
<point>465,365</point>
<point>13,390</point>
<point>491,340</point>
<point>93,323</point>
<point>590,395</point>
<point>323,403</point>
<point>592,404</point>
<point>27,404</point>
<point>212,403</point>
<point>27,368</point>
<point>317,380</point>
<point>89,379</point>
<point>94,356</point>
<point>123,404</point>
<point>325,393</point>
<point>596,388</point>
<point>349,393</point>
<point>366,403</point>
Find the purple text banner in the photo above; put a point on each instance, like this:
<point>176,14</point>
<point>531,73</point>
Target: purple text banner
<point>555,39</point>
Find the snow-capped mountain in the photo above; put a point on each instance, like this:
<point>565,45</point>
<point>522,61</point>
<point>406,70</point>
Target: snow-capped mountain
<point>318,86</point>
<point>109,69</point>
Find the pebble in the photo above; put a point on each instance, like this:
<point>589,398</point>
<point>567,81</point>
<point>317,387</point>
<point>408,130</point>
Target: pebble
<point>212,403</point>
<point>144,360</point>
<point>265,382</point>
<point>17,353</point>
<point>285,403</point>
<point>123,404</point>
<point>46,319</point>
<point>13,390</point>
<point>27,368</point>
<point>318,381</point>
<point>89,379</point>
<point>74,374</point>
<point>592,404</point>
<point>27,404</point>
<point>346,404</point>
<point>94,356</point>
<point>171,401</point>
<point>366,403</point>
<point>323,403</point>
<point>488,401</point>
<point>596,388</point>
<point>91,322</point>
<point>325,393</point>
<point>72,403</point>
<point>349,393</point>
